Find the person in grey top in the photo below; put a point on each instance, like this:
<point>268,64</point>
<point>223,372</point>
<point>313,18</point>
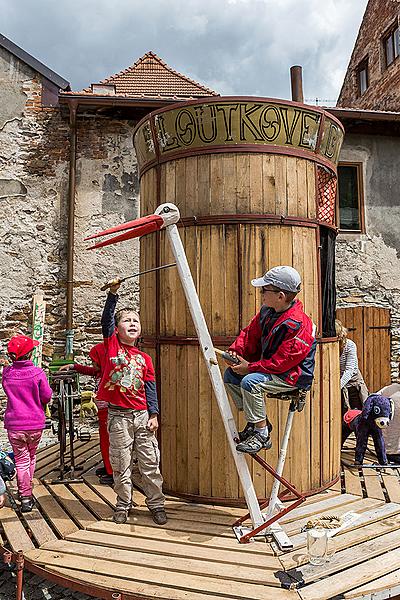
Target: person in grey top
<point>352,385</point>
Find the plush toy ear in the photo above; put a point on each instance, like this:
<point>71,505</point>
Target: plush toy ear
<point>366,411</point>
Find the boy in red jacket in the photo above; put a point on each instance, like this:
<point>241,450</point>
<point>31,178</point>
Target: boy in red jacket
<point>128,386</point>
<point>276,353</point>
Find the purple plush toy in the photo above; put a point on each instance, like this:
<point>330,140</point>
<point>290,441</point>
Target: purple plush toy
<point>376,414</point>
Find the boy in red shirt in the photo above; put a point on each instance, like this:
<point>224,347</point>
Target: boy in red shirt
<point>128,386</point>
<point>276,353</point>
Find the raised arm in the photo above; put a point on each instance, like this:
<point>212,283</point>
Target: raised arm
<point>107,318</point>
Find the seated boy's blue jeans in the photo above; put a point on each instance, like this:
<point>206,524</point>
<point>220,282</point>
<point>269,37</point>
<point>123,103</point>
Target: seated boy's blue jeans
<point>247,392</point>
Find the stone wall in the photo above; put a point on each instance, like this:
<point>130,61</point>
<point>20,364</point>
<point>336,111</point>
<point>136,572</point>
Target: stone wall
<point>107,194</point>
<point>368,265</point>
<point>383,92</point>
<point>34,159</point>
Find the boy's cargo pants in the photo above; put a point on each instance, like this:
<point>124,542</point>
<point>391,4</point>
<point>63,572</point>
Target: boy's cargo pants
<point>129,440</point>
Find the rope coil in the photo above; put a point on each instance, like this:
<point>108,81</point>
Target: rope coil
<point>327,522</point>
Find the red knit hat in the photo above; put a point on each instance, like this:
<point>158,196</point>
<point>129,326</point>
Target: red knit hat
<point>21,345</point>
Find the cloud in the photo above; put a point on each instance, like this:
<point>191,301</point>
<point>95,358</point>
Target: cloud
<point>233,46</point>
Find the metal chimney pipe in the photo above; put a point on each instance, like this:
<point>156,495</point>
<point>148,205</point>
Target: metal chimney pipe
<point>296,81</point>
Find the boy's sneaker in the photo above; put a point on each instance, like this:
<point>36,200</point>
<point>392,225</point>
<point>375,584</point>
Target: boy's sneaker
<point>100,471</point>
<point>255,443</point>
<point>120,516</point>
<point>249,430</point>
<point>394,458</point>
<point>106,479</point>
<point>27,504</point>
<point>159,516</point>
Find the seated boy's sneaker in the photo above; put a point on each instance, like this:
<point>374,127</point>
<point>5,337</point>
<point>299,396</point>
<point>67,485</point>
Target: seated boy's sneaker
<point>159,516</point>
<point>27,504</point>
<point>120,515</point>
<point>249,430</point>
<point>255,443</point>
<point>100,471</point>
<point>246,432</point>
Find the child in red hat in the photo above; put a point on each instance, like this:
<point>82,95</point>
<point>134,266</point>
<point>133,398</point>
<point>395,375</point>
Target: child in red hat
<point>27,391</point>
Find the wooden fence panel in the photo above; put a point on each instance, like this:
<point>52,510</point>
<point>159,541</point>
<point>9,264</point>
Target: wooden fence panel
<point>369,328</point>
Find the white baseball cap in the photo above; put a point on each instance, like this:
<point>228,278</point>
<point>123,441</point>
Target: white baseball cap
<point>285,278</point>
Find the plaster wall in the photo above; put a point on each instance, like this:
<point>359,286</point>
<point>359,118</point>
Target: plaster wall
<point>34,161</point>
<point>368,265</point>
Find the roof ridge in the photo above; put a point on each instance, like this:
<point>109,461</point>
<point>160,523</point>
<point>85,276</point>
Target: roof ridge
<point>34,63</point>
<point>153,55</point>
<point>184,77</point>
<point>127,69</point>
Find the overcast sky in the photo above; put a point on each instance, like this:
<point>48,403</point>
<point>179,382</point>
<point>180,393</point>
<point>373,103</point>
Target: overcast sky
<point>241,47</point>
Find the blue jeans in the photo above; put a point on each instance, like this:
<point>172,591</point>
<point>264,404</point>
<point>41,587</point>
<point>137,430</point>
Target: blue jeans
<point>248,391</point>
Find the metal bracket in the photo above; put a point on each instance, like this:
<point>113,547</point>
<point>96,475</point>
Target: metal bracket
<point>270,525</point>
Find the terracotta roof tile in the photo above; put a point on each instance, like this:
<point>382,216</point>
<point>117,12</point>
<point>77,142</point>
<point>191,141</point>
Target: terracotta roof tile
<point>151,77</point>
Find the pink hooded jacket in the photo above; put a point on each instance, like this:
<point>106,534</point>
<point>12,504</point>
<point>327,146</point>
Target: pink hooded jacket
<point>27,390</point>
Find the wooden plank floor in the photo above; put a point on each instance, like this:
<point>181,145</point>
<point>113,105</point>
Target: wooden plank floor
<point>195,556</point>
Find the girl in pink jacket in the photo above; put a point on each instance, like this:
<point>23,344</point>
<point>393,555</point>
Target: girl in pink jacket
<point>27,391</point>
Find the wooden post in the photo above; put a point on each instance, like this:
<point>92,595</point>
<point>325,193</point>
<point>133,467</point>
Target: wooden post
<point>38,316</point>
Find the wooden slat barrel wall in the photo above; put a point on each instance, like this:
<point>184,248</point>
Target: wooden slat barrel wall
<point>223,258</point>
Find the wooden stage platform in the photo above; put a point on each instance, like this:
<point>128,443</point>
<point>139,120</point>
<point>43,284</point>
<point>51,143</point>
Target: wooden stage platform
<point>71,539</point>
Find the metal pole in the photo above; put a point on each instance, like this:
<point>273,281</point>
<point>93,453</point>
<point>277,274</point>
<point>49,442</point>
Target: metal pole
<point>70,405</point>
<point>207,348</point>
<point>62,428</point>
<point>281,463</point>
<point>296,80</point>
<point>19,562</point>
<point>73,106</point>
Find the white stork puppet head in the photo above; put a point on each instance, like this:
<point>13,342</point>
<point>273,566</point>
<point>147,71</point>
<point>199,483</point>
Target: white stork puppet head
<point>164,215</point>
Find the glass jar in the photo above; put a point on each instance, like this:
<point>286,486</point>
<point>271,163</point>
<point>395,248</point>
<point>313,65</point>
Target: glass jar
<point>317,545</point>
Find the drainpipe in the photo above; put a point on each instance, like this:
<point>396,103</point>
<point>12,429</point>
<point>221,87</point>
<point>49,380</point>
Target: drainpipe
<point>69,345</point>
<point>296,81</point>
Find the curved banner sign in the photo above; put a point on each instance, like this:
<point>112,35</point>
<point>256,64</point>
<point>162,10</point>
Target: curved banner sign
<point>238,124</point>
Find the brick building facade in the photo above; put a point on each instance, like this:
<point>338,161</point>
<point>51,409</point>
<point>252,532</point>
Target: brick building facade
<point>372,80</point>
<point>368,247</point>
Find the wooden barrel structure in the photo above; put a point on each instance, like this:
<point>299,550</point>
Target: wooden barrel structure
<point>255,182</point>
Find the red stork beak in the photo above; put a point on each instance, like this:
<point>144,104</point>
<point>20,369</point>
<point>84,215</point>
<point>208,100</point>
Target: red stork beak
<point>133,229</point>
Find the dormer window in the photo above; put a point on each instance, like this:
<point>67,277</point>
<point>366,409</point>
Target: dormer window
<point>362,77</point>
<point>391,44</point>
<point>103,89</point>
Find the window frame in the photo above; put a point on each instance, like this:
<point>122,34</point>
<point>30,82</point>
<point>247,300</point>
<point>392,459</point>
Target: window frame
<point>362,66</point>
<point>361,204</point>
<point>390,35</point>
